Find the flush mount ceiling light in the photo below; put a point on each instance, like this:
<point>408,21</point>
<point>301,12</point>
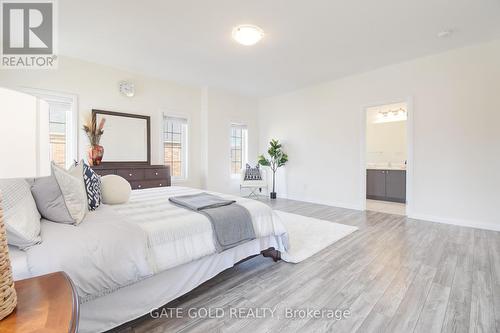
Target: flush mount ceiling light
<point>247,34</point>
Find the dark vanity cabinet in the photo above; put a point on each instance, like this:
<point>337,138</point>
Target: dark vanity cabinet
<point>387,185</point>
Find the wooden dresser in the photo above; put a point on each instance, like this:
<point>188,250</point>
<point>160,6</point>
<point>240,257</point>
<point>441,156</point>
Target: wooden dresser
<point>139,176</point>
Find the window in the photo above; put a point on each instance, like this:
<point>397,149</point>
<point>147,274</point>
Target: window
<point>57,133</point>
<point>62,125</point>
<point>175,146</point>
<point>238,148</point>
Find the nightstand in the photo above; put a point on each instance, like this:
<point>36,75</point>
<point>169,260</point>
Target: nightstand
<point>46,303</point>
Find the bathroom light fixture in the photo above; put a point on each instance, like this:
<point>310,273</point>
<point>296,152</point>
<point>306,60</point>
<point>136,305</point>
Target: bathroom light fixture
<point>247,34</point>
<point>390,116</point>
<point>445,33</point>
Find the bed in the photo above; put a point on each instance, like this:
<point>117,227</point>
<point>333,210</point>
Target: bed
<point>126,260</point>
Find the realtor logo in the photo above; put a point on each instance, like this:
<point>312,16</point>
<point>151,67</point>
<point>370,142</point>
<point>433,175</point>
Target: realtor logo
<point>28,34</point>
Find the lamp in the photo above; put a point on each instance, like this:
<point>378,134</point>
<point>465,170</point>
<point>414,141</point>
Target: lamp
<point>24,150</point>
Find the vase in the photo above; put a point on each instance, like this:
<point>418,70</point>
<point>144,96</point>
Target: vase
<point>8,297</point>
<point>96,153</point>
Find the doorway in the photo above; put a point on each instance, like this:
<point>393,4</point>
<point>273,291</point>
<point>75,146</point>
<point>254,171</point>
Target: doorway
<point>386,158</point>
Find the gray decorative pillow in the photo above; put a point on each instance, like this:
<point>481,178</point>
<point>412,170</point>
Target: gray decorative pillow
<point>73,191</point>
<point>50,201</point>
<point>21,217</point>
<point>252,173</point>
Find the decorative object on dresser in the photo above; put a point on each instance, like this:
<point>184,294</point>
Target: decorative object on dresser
<point>94,133</point>
<point>28,117</point>
<point>139,176</point>
<point>277,159</point>
<point>127,139</point>
<point>46,303</point>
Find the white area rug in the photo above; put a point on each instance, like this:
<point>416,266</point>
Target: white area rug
<point>308,236</point>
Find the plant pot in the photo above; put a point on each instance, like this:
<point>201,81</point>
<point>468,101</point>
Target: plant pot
<point>96,153</point>
<point>272,195</point>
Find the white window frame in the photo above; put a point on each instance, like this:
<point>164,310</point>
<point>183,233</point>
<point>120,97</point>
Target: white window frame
<point>244,148</point>
<point>185,144</point>
<point>71,153</point>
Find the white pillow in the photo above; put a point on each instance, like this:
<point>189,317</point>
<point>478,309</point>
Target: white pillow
<point>21,216</point>
<point>115,190</point>
<point>74,194</point>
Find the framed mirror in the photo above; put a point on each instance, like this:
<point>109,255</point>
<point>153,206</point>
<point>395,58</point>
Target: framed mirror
<point>126,138</point>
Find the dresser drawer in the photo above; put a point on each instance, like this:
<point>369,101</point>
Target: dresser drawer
<point>131,174</point>
<point>155,174</point>
<point>142,184</point>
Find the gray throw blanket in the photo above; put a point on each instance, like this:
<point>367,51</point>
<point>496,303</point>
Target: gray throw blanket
<point>231,223</point>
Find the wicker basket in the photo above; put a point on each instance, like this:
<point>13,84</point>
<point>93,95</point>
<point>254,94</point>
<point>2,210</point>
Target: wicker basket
<point>8,298</point>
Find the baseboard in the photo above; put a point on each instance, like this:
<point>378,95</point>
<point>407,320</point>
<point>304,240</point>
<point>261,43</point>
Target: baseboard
<point>326,203</point>
<point>457,222</point>
<point>423,217</point>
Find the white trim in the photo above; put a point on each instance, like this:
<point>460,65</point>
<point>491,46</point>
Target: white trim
<point>72,129</point>
<point>457,222</point>
<point>409,158</point>
<point>410,123</point>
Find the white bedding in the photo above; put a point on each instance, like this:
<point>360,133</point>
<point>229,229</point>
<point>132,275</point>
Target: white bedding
<point>117,246</point>
<point>177,235</point>
<point>101,254</point>
<point>131,302</point>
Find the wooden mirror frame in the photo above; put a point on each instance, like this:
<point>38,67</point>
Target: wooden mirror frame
<point>95,112</point>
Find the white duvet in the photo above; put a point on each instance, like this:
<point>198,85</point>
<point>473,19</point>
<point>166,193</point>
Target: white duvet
<point>119,245</point>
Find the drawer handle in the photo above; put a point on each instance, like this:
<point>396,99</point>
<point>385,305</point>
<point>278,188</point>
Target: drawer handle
<point>160,184</point>
<point>130,175</point>
<point>139,186</point>
<point>156,173</point>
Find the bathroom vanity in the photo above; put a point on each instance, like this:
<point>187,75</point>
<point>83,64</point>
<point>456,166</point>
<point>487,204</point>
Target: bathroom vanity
<point>386,184</point>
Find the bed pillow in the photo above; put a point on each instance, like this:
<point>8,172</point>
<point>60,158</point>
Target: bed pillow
<point>77,170</point>
<point>115,190</point>
<point>252,173</point>
<point>21,216</point>
<point>50,201</point>
<point>72,190</point>
<point>92,186</point>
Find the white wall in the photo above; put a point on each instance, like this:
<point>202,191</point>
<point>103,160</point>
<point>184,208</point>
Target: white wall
<point>209,112</point>
<point>455,132</point>
<point>96,87</point>
<point>222,110</point>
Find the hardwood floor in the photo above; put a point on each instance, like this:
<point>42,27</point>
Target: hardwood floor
<point>393,275</point>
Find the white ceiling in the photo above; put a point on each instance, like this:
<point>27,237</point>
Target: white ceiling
<point>306,42</point>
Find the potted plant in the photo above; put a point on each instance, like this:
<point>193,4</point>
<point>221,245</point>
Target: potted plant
<point>277,159</point>
<point>94,133</point>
